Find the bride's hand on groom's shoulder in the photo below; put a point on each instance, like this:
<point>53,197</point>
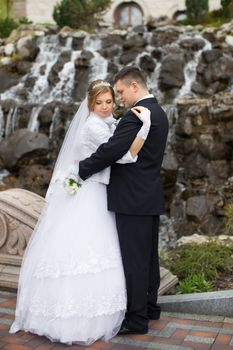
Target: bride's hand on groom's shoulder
<point>142,113</point>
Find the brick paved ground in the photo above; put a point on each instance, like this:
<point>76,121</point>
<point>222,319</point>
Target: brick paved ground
<point>171,332</point>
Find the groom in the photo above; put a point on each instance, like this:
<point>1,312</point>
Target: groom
<point>135,194</point>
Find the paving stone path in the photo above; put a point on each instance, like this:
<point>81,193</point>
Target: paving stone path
<point>171,332</point>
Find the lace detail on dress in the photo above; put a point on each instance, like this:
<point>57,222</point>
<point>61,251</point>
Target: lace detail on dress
<point>88,306</point>
<point>71,265</point>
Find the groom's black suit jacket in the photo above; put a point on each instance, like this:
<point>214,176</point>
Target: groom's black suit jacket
<point>135,188</point>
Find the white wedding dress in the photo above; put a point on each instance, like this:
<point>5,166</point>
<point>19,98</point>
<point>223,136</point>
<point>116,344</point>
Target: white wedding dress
<point>72,286</point>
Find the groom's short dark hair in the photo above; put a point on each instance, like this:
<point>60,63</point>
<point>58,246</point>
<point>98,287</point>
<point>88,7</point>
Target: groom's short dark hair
<point>129,74</point>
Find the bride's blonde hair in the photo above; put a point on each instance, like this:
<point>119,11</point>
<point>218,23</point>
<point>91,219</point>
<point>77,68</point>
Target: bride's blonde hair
<point>96,88</point>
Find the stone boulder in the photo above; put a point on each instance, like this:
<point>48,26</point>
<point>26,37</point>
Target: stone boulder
<point>172,72</point>
<point>23,146</point>
<point>27,48</point>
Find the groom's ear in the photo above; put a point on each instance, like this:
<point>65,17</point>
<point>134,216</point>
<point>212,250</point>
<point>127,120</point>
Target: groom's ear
<point>134,85</point>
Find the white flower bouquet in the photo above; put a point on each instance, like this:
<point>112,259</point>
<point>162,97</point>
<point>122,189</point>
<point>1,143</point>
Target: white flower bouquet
<point>71,185</point>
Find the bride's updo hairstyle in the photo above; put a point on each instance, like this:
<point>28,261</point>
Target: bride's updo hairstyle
<point>96,88</point>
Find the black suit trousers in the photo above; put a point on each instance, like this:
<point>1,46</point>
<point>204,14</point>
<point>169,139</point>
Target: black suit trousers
<point>138,237</point>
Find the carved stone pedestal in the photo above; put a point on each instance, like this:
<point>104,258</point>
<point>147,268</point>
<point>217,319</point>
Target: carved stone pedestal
<point>19,212</point>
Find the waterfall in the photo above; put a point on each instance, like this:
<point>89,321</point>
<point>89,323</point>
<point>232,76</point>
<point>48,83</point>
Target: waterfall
<point>91,43</point>
<point>50,50</point>
<point>99,65</point>
<point>55,120</point>
<point>1,123</point>
<point>9,123</point>
<point>3,173</point>
<point>153,82</point>
<point>33,124</point>
<point>63,89</point>
<point>190,70</point>
<point>167,235</point>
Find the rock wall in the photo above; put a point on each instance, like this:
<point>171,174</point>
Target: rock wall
<point>44,75</point>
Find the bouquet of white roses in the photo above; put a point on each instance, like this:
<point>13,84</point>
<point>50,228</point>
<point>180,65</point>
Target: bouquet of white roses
<point>70,180</point>
<point>71,185</point>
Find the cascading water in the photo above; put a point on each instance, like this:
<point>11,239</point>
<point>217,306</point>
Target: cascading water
<point>1,123</point>
<point>11,121</point>
<point>33,124</point>
<point>99,65</point>
<point>190,70</point>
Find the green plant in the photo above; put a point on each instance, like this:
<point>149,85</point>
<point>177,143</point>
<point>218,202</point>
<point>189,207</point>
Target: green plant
<point>196,9</point>
<point>25,20</point>
<point>207,258</point>
<point>229,218</point>
<point>188,21</point>
<point>6,27</point>
<point>227,6</point>
<point>78,13</point>
<point>196,283</point>
<point>6,8</point>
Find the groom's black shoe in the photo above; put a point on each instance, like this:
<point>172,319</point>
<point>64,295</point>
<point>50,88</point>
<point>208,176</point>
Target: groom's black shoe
<point>124,330</point>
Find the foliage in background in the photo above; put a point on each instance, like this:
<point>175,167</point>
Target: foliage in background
<point>196,9</point>
<point>6,27</point>
<point>227,6</point>
<point>197,265</point>
<point>213,18</point>
<point>196,283</point>
<point>6,8</point>
<point>79,13</point>
<point>25,20</point>
<point>229,219</point>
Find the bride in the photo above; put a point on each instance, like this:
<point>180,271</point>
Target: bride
<point>71,285</point>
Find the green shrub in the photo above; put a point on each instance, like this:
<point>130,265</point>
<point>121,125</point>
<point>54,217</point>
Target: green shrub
<point>229,219</point>
<point>25,20</point>
<point>6,8</point>
<point>78,13</point>
<point>196,9</point>
<point>227,6</point>
<point>6,27</point>
<point>207,259</point>
<point>194,284</point>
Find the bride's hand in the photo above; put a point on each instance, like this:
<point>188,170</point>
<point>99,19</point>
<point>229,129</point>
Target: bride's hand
<point>143,114</point>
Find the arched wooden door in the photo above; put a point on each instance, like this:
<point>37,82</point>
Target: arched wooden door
<point>128,14</point>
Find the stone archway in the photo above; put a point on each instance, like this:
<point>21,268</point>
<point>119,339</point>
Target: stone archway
<point>128,14</point>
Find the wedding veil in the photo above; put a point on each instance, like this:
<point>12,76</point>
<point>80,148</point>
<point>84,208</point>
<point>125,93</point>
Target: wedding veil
<point>66,164</point>
<point>69,155</point>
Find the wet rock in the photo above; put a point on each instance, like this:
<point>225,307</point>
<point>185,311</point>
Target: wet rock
<point>129,56</point>
<point>211,55</point>
<point>27,49</point>
<point>9,49</point>
<point>172,74</point>
<point>53,76</point>
<point>21,144</point>
<point>8,78</point>
<point>147,64</point>
<point>192,44</point>
<point>135,41</point>
<point>197,208</point>
<point>164,36</point>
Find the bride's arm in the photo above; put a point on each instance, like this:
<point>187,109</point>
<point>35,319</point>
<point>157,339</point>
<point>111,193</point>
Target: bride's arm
<point>144,115</point>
